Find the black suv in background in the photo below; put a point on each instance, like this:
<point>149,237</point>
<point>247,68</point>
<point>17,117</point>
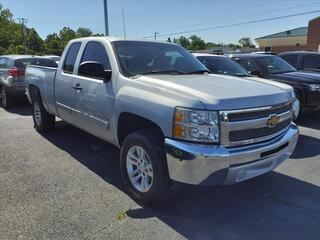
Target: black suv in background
<point>306,85</point>
<point>303,61</point>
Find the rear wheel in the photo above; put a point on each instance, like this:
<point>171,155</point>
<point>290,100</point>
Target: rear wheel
<point>144,168</point>
<point>43,121</point>
<point>6,100</point>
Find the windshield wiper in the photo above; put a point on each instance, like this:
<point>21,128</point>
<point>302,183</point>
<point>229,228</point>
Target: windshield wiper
<point>199,72</point>
<point>170,71</point>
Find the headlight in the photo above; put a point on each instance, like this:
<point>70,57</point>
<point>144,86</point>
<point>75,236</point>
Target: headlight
<point>314,87</point>
<point>196,125</point>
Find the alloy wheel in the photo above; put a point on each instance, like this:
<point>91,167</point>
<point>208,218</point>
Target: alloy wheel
<point>139,168</point>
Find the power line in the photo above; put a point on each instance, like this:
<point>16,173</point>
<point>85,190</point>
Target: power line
<point>236,24</point>
<point>239,17</point>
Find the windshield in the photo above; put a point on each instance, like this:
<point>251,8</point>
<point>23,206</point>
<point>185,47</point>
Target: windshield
<point>137,58</point>
<point>223,65</point>
<point>274,64</point>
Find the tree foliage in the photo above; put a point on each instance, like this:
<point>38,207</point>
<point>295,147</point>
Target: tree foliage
<point>183,41</point>
<point>16,39</point>
<point>246,42</point>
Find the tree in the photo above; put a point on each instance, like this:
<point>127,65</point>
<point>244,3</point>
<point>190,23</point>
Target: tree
<point>10,32</point>
<point>65,35</point>
<point>246,42</point>
<point>197,43</point>
<point>211,45</point>
<point>34,42</point>
<point>183,41</point>
<point>84,32</point>
<point>52,44</point>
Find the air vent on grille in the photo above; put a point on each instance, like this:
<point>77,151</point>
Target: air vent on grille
<point>243,116</point>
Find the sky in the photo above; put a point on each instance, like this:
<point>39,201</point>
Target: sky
<point>167,17</point>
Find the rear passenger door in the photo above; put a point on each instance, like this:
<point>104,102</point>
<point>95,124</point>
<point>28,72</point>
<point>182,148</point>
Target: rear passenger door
<point>64,90</point>
<point>95,100</point>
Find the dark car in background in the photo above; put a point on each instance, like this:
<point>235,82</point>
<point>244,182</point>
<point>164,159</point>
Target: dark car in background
<point>219,64</point>
<point>303,61</point>
<point>12,76</point>
<point>306,85</point>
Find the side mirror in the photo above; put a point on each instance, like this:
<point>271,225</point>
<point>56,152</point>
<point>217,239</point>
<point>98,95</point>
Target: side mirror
<point>94,70</point>
<point>257,73</point>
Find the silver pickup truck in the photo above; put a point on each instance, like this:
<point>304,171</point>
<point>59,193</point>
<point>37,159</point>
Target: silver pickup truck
<point>173,122</point>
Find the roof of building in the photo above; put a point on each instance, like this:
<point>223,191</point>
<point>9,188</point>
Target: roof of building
<point>301,31</point>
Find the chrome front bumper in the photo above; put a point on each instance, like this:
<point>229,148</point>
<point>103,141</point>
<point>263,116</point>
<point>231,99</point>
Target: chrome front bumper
<point>217,165</point>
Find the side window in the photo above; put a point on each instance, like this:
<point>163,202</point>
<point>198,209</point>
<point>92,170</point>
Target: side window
<point>3,63</point>
<point>292,59</point>
<point>249,64</point>
<point>96,52</point>
<point>311,62</point>
<point>71,57</point>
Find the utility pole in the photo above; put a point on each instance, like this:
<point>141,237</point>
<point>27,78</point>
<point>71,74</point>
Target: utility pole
<point>106,24</point>
<point>124,25</point>
<point>155,35</point>
<point>23,22</point>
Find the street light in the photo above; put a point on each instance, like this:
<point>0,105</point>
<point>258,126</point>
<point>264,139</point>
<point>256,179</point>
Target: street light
<point>105,4</point>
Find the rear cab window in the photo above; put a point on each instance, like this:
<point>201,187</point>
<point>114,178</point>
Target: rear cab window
<point>44,62</point>
<point>71,57</point>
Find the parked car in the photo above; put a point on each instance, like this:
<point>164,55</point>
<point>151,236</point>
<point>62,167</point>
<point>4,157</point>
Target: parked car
<point>172,121</point>
<point>306,85</point>
<point>53,57</point>
<point>303,61</point>
<point>12,76</point>
<point>219,64</point>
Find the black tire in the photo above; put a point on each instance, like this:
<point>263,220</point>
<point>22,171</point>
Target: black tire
<point>47,120</point>
<point>160,187</point>
<point>6,99</point>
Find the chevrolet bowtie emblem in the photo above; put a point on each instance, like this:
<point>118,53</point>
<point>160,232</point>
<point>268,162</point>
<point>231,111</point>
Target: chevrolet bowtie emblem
<point>273,121</point>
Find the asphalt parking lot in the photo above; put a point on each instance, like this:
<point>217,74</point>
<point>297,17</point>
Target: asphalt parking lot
<point>67,185</point>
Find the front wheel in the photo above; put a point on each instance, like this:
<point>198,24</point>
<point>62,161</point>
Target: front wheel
<point>43,121</point>
<point>144,169</point>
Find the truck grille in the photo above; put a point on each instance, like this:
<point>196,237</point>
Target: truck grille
<point>247,126</point>
<point>253,133</point>
<point>243,116</point>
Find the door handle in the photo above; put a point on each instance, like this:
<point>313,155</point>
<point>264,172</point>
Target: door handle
<point>77,86</point>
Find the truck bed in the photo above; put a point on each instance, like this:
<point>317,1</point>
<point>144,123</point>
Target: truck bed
<point>43,78</point>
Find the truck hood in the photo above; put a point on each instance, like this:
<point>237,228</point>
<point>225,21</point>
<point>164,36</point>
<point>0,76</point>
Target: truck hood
<point>218,92</point>
<point>303,77</point>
